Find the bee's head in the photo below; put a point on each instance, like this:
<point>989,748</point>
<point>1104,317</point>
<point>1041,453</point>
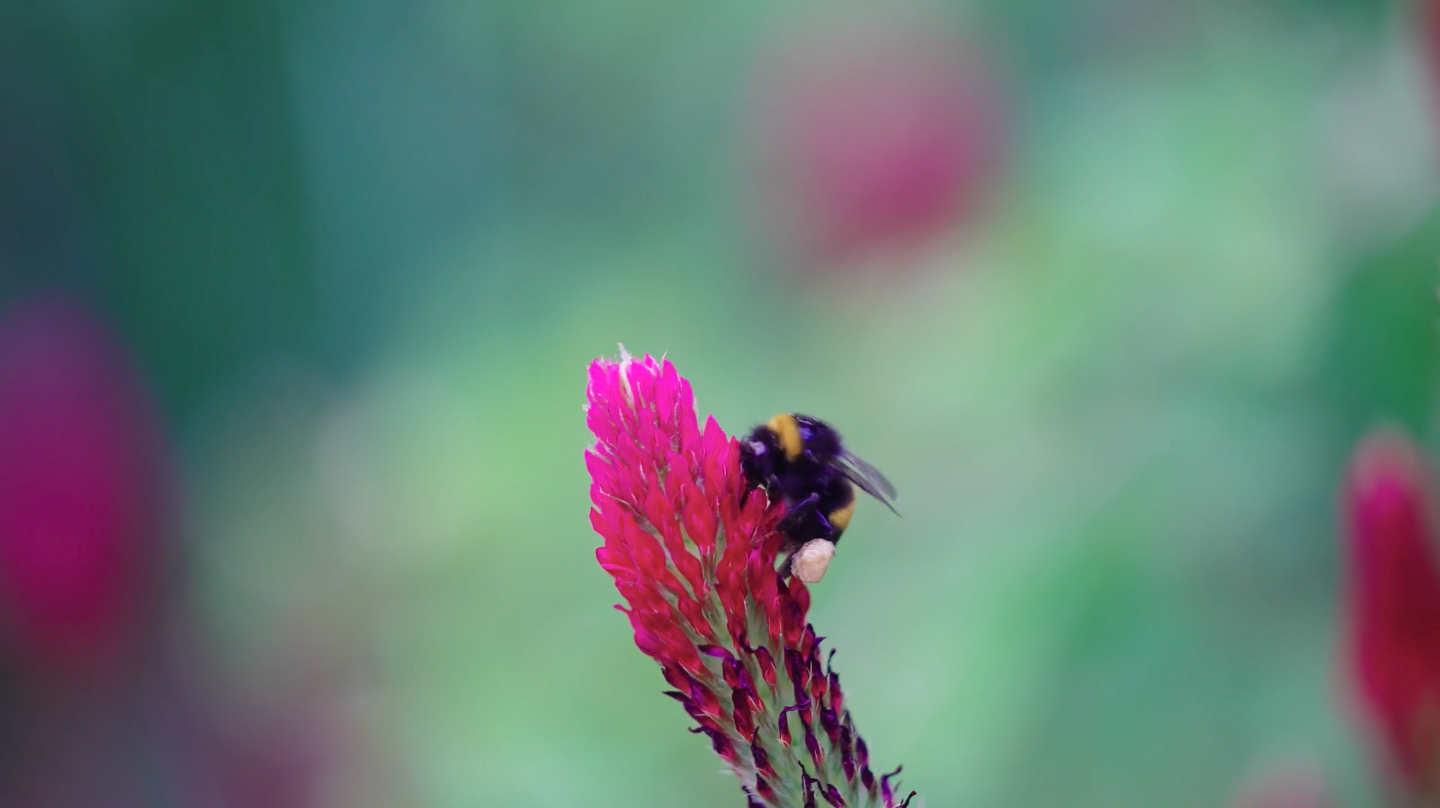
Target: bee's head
<point>759,453</point>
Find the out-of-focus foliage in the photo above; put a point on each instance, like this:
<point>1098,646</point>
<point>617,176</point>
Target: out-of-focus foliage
<point>362,252</point>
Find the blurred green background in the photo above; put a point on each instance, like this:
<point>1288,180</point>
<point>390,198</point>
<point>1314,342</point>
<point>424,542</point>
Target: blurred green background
<point>362,252</point>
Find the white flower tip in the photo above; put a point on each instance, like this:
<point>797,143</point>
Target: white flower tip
<point>812,559</point>
<point>625,361</point>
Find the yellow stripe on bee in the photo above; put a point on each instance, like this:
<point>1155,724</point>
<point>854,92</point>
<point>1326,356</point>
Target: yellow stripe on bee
<point>840,517</point>
<point>787,432</point>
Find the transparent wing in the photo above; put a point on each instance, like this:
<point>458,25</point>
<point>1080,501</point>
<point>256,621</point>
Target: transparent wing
<point>869,478</point>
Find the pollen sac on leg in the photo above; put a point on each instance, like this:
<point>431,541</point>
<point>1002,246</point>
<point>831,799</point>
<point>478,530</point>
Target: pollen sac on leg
<point>812,559</point>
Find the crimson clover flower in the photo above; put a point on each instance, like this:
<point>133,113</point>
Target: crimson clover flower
<point>1394,605</point>
<point>876,133</point>
<point>82,492</point>
<point>693,553</point>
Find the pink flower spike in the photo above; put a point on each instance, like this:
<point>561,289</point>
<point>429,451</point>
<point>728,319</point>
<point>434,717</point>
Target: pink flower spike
<point>693,552</point>
<point>1393,605</point>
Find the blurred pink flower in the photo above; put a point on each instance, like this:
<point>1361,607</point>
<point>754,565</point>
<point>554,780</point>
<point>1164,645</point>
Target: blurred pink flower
<point>79,488</point>
<point>1427,20</point>
<point>875,134</point>
<point>693,554</point>
<point>278,759</point>
<point>1393,607</point>
<point>1289,786</point>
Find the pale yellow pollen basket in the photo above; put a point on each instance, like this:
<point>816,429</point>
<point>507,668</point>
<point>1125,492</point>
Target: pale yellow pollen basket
<point>812,559</point>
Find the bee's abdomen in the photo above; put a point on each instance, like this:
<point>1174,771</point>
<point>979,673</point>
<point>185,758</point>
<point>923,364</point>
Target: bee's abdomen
<point>838,505</point>
<point>760,457</point>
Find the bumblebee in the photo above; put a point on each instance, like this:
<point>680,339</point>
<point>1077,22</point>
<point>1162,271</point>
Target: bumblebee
<point>802,461</point>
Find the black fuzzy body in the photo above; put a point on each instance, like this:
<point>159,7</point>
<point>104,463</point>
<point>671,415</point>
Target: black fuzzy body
<point>811,485</point>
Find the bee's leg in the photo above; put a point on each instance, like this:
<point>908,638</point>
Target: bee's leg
<point>787,552</point>
<point>792,547</point>
<point>827,530</point>
<point>799,515</point>
<point>809,524</point>
<point>785,566</point>
<point>798,526</point>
